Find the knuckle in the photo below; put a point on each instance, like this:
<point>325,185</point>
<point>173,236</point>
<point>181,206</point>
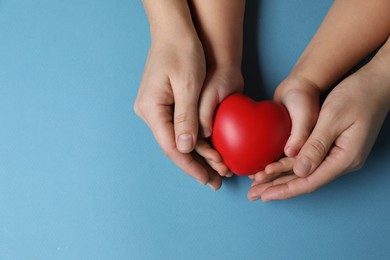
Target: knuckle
<point>137,109</point>
<point>318,148</point>
<point>189,83</point>
<point>357,163</point>
<point>184,120</point>
<point>354,160</point>
<point>140,106</point>
<point>300,139</point>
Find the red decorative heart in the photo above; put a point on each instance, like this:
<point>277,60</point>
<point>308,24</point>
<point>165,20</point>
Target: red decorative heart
<point>250,135</point>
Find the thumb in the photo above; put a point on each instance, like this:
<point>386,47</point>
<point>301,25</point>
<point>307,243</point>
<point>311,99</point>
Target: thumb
<point>208,102</point>
<point>185,118</point>
<point>317,147</point>
<point>303,109</point>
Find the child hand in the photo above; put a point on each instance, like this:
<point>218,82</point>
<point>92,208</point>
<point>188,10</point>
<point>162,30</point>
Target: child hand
<point>301,98</point>
<point>219,84</point>
<point>283,166</point>
<point>221,36</point>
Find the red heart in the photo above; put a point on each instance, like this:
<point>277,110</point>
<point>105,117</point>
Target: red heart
<point>250,135</point>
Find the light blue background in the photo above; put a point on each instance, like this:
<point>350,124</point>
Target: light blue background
<point>81,176</point>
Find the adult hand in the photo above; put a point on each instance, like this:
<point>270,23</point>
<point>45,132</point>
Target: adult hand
<point>168,101</point>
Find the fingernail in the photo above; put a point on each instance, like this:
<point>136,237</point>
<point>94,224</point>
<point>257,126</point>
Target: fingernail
<point>303,166</point>
<point>185,143</point>
<point>201,182</point>
<point>229,174</point>
<point>265,199</point>
<point>290,151</point>
<point>253,197</point>
<point>206,132</point>
<point>212,187</point>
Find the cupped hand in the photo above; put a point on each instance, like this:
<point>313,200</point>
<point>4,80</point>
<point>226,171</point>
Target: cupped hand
<point>168,102</point>
<point>301,97</point>
<point>220,82</point>
<point>347,127</point>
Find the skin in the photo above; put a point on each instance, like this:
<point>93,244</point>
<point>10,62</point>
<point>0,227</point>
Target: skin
<point>220,28</point>
<point>187,72</point>
<point>189,69</point>
<point>336,139</point>
<point>348,130</point>
<point>351,30</point>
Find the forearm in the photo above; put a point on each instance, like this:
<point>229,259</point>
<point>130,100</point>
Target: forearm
<point>169,19</point>
<point>351,30</point>
<point>220,27</point>
<point>379,68</point>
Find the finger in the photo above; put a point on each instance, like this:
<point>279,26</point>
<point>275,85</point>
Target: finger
<point>219,167</point>
<point>274,170</point>
<point>205,150</point>
<point>317,146</point>
<point>280,180</point>
<point>208,102</point>
<point>283,165</point>
<point>259,177</point>
<point>160,121</point>
<point>229,174</point>
<point>334,165</point>
<point>257,189</point>
<point>262,177</point>
<point>303,109</point>
<point>186,114</point>
<point>211,156</point>
<point>215,180</point>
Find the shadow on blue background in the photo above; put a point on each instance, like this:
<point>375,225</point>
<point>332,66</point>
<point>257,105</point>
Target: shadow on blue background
<point>252,72</point>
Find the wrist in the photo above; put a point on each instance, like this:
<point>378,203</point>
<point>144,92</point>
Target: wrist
<point>224,51</point>
<point>170,31</point>
<point>220,28</point>
<point>298,82</point>
<point>169,20</point>
<point>378,68</point>
<point>381,89</point>
<point>314,72</point>
<point>223,62</point>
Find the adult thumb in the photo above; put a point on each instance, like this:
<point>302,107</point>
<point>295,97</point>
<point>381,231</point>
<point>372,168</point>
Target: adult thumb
<point>185,118</point>
<point>317,146</point>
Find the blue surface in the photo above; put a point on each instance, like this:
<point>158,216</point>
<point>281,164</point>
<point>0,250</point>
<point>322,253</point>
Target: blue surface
<point>81,177</point>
